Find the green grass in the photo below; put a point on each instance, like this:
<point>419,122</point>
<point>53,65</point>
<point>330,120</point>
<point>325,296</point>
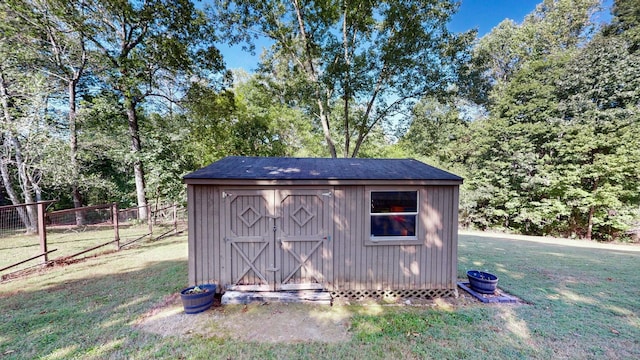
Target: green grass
<point>584,303</point>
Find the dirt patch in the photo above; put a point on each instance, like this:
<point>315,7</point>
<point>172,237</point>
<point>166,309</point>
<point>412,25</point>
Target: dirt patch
<point>266,322</point>
<point>274,322</point>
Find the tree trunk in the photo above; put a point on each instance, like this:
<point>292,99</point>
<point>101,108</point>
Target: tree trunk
<point>25,184</point>
<point>313,77</point>
<point>73,147</point>
<point>592,208</point>
<point>13,196</point>
<point>136,150</point>
<point>9,141</point>
<point>592,211</point>
<point>324,119</point>
<point>347,81</point>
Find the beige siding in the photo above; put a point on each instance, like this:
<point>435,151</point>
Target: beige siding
<point>354,265</point>
<point>430,265</point>
<point>205,255</point>
<point>193,235</point>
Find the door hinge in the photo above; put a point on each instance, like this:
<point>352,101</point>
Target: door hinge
<point>274,229</point>
<point>327,194</point>
<point>226,194</point>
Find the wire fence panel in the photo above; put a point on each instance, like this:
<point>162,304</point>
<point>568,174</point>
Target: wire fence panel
<point>89,230</point>
<point>18,220</point>
<point>18,234</point>
<point>86,231</point>
<point>169,220</point>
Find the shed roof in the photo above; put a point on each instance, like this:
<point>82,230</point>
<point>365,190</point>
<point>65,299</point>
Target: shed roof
<point>273,170</point>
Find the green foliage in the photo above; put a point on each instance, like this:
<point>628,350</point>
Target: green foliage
<point>167,157</point>
<point>626,22</point>
<point>103,152</point>
<point>247,120</point>
<point>551,29</point>
<point>557,158</point>
<point>599,153</point>
<point>556,153</point>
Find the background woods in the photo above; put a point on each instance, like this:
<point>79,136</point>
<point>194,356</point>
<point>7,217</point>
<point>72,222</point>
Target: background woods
<point>113,101</point>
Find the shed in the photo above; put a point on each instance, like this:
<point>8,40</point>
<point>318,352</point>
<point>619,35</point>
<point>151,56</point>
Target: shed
<point>353,227</point>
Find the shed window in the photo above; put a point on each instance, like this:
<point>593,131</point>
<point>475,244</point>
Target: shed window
<point>394,215</point>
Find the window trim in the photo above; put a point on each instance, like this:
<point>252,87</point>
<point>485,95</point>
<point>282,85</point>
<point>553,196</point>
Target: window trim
<point>393,240</point>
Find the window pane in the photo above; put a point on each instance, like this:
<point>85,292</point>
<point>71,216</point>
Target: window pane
<point>394,202</point>
<point>393,225</point>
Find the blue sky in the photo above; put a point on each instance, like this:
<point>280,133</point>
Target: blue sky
<point>482,15</point>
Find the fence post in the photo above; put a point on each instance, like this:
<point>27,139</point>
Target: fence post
<point>42,232</point>
<point>175,219</point>
<point>116,224</point>
<point>149,221</point>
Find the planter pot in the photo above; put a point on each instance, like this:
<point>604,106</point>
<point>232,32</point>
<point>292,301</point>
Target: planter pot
<point>198,302</point>
<point>482,282</point>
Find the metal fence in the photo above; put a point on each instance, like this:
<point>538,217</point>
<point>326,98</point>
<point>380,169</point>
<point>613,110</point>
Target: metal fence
<point>71,233</point>
<point>18,220</point>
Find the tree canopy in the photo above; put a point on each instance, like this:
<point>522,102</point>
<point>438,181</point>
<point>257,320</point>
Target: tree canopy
<point>555,152</point>
<point>115,100</point>
<point>353,65</point>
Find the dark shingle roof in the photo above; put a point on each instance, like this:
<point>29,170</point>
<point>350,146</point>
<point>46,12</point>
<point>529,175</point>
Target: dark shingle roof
<point>319,169</point>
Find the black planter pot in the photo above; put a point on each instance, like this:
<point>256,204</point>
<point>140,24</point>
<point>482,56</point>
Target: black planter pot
<point>482,282</point>
<point>198,302</point>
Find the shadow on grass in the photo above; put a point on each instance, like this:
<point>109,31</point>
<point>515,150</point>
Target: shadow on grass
<point>585,305</point>
<point>93,318</point>
<point>585,296</point>
<point>88,317</point>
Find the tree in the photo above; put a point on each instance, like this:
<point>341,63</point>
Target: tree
<point>63,57</point>
<point>514,166</point>
<point>140,44</point>
<point>371,60</point>
<point>287,129</point>
<point>626,20</point>
<point>434,125</point>
<point>105,151</point>
<point>598,172</point>
<point>22,98</point>
<point>246,120</point>
<point>553,27</point>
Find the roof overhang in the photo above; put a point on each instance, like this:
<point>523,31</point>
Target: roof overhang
<point>266,182</point>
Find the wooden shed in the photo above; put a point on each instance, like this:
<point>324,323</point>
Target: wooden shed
<point>353,227</point>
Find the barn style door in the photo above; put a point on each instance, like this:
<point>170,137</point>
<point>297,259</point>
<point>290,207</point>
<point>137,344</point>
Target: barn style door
<point>249,239</point>
<point>303,236</point>
<point>277,240</point>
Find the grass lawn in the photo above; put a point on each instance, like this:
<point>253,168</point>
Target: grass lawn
<point>583,298</point>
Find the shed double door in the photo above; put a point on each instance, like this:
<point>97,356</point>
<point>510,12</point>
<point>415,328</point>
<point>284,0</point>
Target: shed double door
<point>277,239</point>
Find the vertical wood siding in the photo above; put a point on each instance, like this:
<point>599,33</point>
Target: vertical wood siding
<point>353,265</point>
<point>431,265</point>
<point>206,254</point>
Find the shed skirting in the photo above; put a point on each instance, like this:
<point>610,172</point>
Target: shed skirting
<point>394,294</point>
